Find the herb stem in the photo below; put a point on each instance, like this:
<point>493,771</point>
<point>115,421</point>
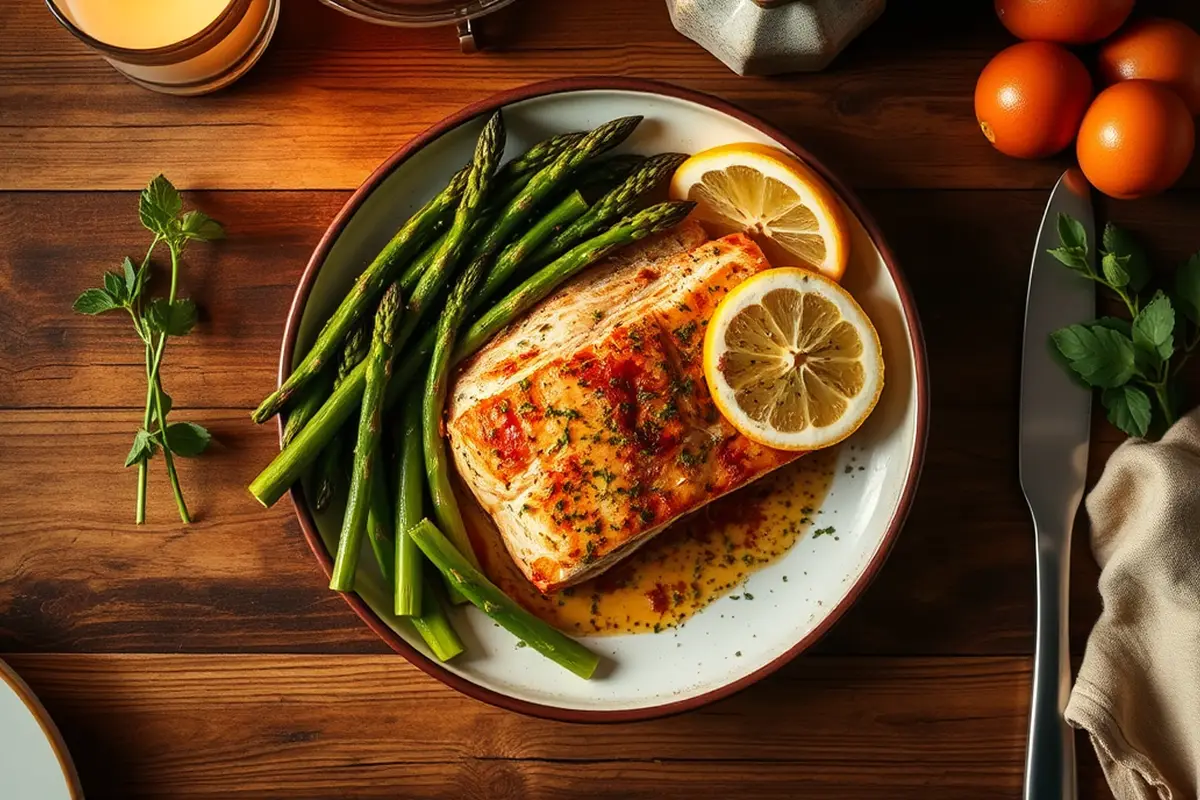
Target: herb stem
<point>1131,304</point>
<point>1164,402</point>
<point>154,394</point>
<point>143,465</point>
<point>145,335</point>
<point>1187,353</point>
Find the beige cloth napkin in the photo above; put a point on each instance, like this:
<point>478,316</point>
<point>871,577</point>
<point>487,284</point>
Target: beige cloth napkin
<point>1138,691</point>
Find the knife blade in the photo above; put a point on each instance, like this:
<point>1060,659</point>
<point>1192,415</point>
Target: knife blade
<point>1055,419</point>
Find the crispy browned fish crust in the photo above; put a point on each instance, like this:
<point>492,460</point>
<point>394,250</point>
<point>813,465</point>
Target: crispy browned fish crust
<point>586,428</point>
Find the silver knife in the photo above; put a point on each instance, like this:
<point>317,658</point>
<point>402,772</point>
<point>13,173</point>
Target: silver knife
<point>1055,422</point>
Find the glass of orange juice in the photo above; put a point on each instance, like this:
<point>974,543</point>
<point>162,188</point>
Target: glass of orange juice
<point>188,47</point>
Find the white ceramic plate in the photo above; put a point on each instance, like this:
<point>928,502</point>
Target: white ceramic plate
<point>34,763</point>
<point>649,674</point>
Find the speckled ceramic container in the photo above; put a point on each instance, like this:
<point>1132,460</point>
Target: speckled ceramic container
<point>766,37</point>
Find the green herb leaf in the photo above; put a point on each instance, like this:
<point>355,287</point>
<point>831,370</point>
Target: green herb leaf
<point>198,225</point>
<point>95,301</point>
<point>1121,243</point>
<point>1072,258</point>
<point>159,205</point>
<point>1128,408</point>
<point>143,448</point>
<point>167,402</point>
<point>1187,288</point>
<point>114,284</point>
<point>1153,328</point>
<point>1101,356</point>
<point>1114,269</point>
<point>173,319</point>
<point>131,277</point>
<point>1118,324</point>
<point>188,439</point>
<point>1071,233</point>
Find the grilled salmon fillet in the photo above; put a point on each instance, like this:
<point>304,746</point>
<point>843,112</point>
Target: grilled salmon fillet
<point>586,427</point>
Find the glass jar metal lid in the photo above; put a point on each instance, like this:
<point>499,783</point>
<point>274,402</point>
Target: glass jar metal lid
<point>417,12</point>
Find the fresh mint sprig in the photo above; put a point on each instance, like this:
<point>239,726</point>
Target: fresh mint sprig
<point>156,319</point>
<point>1131,360</point>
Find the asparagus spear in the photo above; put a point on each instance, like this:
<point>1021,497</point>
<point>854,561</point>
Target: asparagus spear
<point>437,467</point>
<point>540,186</point>
<point>312,397</point>
<point>290,463</point>
<point>547,640</point>
<point>650,220</point>
<point>445,505</point>
<point>433,624</point>
<point>600,176</point>
<point>374,279</point>
<point>421,263</point>
<point>378,370</point>
<point>487,155</point>
<point>380,530</point>
<point>612,206</point>
<point>409,499</point>
<point>517,253</point>
<point>331,464</point>
<point>539,155</point>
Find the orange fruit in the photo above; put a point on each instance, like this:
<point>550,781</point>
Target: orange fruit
<point>1064,21</point>
<point>1161,50</point>
<point>1030,98</point>
<point>1136,139</point>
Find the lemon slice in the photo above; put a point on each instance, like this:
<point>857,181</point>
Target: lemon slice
<point>792,361</point>
<point>769,195</point>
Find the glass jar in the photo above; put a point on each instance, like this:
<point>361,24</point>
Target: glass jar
<point>209,59</point>
<point>421,13</point>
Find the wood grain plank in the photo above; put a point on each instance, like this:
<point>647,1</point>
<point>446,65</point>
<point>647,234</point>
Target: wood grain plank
<point>79,575</point>
<point>966,254</point>
<point>261,726</point>
<point>53,245</point>
<point>334,96</point>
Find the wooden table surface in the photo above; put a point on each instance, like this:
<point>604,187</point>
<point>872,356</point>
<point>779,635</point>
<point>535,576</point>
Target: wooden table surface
<point>211,661</point>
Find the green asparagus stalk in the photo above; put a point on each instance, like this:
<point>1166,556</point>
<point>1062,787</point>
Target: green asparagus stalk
<point>434,624</point>
<point>602,175</point>
<point>410,495</point>
<point>538,156</point>
<point>374,279</point>
<point>437,466</point>
<point>331,465</point>
<point>313,438</point>
<point>510,180</point>
<point>547,640</point>
<point>378,370</point>
<point>508,261</point>
<point>421,263</point>
<point>312,397</point>
<point>380,530</point>
<point>612,206</point>
<point>487,155</point>
<point>540,186</point>
<point>517,253</point>
<point>650,220</point>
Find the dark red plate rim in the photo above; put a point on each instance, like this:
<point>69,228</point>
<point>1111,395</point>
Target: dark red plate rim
<point>558,86</point>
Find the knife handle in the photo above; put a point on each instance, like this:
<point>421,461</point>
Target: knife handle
<point>1050,757</point>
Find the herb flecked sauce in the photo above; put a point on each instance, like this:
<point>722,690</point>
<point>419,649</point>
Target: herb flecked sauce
<point>698,559</point>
